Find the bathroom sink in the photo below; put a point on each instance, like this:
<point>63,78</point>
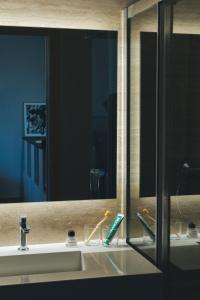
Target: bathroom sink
<point>26,264</point>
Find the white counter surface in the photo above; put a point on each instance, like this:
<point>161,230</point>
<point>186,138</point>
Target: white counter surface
<point>97,262</point>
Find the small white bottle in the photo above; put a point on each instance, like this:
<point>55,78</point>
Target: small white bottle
<point>192,232</point>
<point>71,238</point>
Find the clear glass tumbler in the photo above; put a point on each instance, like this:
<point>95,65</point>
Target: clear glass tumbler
<point>92,236</point>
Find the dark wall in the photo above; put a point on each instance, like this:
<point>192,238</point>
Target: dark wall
<point>86,104</point>
<point>104,111</point>
<point>185,107</point>
<point>75,115</point>
<point>189,182</point>
<point>179,96</point>
<point>148,114</point>
<point>183,116</point>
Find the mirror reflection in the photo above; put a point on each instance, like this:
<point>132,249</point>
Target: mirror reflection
<point>183,135</point>
<point>185,163</point>
<point>58,114</point>
<point>143,29</point>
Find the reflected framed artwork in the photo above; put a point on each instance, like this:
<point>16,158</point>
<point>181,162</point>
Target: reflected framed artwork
<point>35,119</point>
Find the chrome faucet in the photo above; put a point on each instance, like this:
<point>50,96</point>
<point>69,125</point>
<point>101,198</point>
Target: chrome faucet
<point>24,230</point>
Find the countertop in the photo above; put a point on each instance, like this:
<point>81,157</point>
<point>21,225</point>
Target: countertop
<point>174,242</point>
<point>98,262</point>
<point>184,251</point>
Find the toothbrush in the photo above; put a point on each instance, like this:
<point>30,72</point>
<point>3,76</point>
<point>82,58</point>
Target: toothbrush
<point>146,212</point>
<point>106,215</point>
<point>146,226</point>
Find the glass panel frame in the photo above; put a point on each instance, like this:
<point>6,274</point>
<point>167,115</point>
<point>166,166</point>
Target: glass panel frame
<point>165,14</point>
<point>164,130</point>
<point>134,144</point>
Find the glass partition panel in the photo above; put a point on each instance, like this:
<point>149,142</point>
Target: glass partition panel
<point>185,136</point>
<point>142,58</point>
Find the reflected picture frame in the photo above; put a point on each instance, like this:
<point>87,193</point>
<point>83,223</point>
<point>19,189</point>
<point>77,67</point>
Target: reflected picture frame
<point>35,124</point>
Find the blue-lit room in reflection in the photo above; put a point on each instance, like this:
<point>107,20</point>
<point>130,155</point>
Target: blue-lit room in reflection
<point>23,79</point>
<point>66,80</point>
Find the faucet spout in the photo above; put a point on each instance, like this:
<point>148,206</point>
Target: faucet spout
<point>24,230</point>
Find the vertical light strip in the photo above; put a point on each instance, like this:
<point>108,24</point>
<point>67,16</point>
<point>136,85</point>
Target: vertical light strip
<point>122,115</point>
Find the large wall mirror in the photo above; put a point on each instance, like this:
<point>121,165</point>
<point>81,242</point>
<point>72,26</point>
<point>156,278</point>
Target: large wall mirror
<point>58,114</point>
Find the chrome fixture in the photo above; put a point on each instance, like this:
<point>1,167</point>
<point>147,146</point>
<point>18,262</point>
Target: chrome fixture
<point>24,230</point>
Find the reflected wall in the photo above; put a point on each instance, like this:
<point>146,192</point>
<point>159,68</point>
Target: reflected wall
<point>73,74</point>
<point>142,88</point>
<point>185,137</point>
<point>170,146</point>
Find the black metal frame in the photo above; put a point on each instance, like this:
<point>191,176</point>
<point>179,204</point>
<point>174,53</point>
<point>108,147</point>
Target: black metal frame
<point>165,18</point>
<point>163,194</point>
<point>128,136</point>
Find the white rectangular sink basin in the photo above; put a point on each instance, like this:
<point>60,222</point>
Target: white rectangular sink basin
<point>26,264</point>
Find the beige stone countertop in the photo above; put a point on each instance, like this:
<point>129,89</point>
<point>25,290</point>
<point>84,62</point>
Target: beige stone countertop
<point>174,242</point>
<point>97,262</point>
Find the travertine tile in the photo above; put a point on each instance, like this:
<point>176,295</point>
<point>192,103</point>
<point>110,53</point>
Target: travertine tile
<point>91,14</point>
<point>49,221</point>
